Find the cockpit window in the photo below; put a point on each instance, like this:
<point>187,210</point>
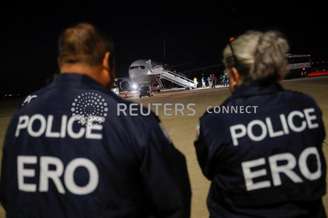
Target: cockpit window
<point>137,67</point>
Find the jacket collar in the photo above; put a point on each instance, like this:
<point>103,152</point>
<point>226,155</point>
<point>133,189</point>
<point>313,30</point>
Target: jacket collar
<point>78,80</point>
<point>255,88</point>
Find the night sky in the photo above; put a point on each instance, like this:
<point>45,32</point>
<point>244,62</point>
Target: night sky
<point>194,33</point>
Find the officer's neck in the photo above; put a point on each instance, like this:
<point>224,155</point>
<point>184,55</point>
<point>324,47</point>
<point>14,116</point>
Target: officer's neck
<point>82,69</point>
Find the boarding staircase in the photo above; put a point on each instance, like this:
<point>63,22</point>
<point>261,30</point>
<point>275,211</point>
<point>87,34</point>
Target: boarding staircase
<point>173,77</point>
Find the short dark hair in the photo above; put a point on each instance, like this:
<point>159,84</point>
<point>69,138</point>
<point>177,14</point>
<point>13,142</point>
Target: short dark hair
<point>83,43</point>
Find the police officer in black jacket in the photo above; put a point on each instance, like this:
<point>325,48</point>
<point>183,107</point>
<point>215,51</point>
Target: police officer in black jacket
<point>262,148</point>
<point>74,150</point>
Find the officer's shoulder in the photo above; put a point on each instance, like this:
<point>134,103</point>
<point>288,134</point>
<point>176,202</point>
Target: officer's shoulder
<point>212,118</point>
<point>297,96</point>
<point>210,113</point>
<point>137,124</point>
<point>133,111</point>
<point>33,97</point>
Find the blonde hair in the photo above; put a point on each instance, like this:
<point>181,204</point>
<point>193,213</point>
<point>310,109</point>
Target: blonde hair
<point>258,55</point>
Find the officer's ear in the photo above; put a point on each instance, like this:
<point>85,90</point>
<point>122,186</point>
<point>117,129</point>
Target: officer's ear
<point>105,61</point>
<point>106,73</point>
<point>234,78</point>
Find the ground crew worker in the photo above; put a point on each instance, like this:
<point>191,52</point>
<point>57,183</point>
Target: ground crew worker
<point>268,163</point>
<point>195,82</point>
<point>68,153</point>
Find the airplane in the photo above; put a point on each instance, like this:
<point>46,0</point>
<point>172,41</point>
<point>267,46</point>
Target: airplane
<point>146,73</point>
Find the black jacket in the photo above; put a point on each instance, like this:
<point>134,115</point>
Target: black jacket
<point>266,163</point>
<point>69,152</point>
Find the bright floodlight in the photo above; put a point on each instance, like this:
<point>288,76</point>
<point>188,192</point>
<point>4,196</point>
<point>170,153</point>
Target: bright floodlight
<point>134,86</point>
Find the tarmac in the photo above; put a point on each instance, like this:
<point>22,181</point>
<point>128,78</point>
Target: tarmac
<point>181,127</point>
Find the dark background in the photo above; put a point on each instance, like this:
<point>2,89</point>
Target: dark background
<point>194,33</point>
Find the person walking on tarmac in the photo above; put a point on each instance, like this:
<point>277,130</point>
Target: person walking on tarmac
<point>73,149</point>
<point>268,161</point>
